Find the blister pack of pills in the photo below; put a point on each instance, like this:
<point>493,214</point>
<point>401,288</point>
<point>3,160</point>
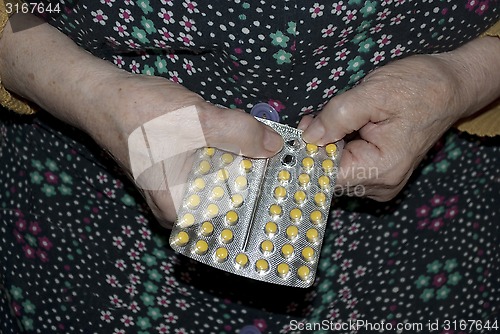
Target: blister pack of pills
<point>260,218</point>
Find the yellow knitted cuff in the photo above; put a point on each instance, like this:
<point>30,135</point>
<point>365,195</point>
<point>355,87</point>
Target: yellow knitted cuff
<point>486,123</point>
<point>7,100</point>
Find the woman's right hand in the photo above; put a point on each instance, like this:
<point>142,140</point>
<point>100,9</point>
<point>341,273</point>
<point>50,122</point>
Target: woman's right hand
<point>178,122</point>
<point>109,104</point>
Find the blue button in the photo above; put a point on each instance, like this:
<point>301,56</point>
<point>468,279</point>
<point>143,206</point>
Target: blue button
<point>264,110</point>
<point>250,330</point>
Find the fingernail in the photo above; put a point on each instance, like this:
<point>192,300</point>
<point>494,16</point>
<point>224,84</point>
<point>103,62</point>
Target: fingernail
<point>272,141</point>
<point>314,132</point>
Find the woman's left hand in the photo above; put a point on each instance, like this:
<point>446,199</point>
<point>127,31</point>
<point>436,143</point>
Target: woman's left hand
<point>399,111</point>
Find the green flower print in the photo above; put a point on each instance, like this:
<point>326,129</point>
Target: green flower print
<point>128,200</point>
<point>64,190</point>
<point>364,26</point>
<point>355,63</point>
<point>147,299</point>
<point>37,164</point>
<point>292,28</point>
<point>455,153</point>
<point>145,6</point>
<point>443,292</point>
<point>279,39</point>
<point>36,178</point>
<point>154,313</point>
<point>150,287</point>
<point>148,70</point>
<point>450,265</point>
<point>29,307</point>
<point>66,178</point>
<point>437,211</point>
<point>154,275</point>
<point>442,166</point>
<point>48,190</point>
<point>422,281</point>
<point>140,34</point>
<point>143,323</point>
<point>51,165</point>
<point>434,267</point>
<point>454,278</point>
<point>161,65</point>
<point>16,293</point>
<point>27,323</point>
<point>149,260</point>
<point>369,8</point>
<point>282,57</point>
<point>427,295</point>
<point>359,37</point>
<point>352,80</point>
<point>366,45</point>
<point>148,25</point>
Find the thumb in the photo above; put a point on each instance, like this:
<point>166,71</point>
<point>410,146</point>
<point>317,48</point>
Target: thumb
<point>238,132</point>
<point>343,115</point>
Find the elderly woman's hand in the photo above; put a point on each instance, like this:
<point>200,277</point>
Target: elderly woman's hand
<point>400,110</point>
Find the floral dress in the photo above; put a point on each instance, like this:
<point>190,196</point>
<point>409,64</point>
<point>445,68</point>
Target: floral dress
<point>81,253</point>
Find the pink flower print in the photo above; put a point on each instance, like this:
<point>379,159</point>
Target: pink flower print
<point>342,54</point>
<point>343,34</point>
<point>422,224</point>
<point>323,61</point>
<point>21,225</point>
<point>313,84</point>
<point>397,19</point>
<point>483,6</point>
<point>436,224</point>
<point>437,200</point>
<point>471,4</point>
<point>167,2</point>
<point>166,16</point>
<point>108,2</point>
<point>354,315</point>
<point>45,243</point>
<point>121,29</point>
<point>346,264</point>
<point>51,177</point>
<point>338,7</point>
<point>384,40</point>
<point>163,329</point>
<point>343,278</point>
<point>397,51</point>
<point>186,39</point>
<point>106,316</point>
<point>316,10</point>
<point>319,50</point>
<point>378,56</point>
<point>383,15</point>
<point>126,15</point>
<point>277,105</point>
<point>171,318</point>
<point>439,280</point>
<point>260,324</point>
<point>174,76</point>
<point>328,31</point>
<point>423,211</point>
<point>99,17</point>
<point>145,233</point>
<point>340,240</point>
<point>135,67</point>
<point>120,264</point>
<point>191,6</point>
<point>377,28</point>
<point>306,110</point>
<point>188,66</point>
<point>352,303</point>
<point>29,252</point>
<point>134,307</point>
<point>360,271</point>
<point>336,73</point>
<point>118,242</point>
<point>329,92</point>
<point>17,308</point>
<point>350,15</point>
<point>338,254</point>
<point>43,256</point>
<point>127,320</point>
<point>451,212</point>
<point>35,228</point>
<point>188,24</point>
<point>132,44</point>
<point>353,245</point>
<point>452,200</point>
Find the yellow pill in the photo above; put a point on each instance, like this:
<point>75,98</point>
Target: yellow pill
<point>201,247</point>
<point>311,149</point>
<point>226,236</point>
<point>204,167</point>
<point>261,266</point>
<point>284,176</point>
<point>275,210</point>
<point>307,163</point>
<point>295,215</point>
<point>206,229</point>
<point>324,182</point>
<point>193,201</point>
<point>241,260</point>
<point>287,251</point>
<point>236,200</point>
<point>304,179</point>
<point>266,247</point>
<point>279,192</point>
<point>327,166</point>
<point>271,228</point>
<point>217,193</point>
<point>222,175</point>
<point>282,270</point>
<point>198,184</point>
<point>292,232</point>
<point>212,211</point>
<point>312,235</point>
<point>316,217</point>
<point>227,158</point>
<point>304,273</point>
<point>331,149</point>
<point>221,254</point>
<point>299,197</point>
<point>246,165</point>
<point>231,217</point>
<point>181,239</point>
<point>209,151</point>
<point>320,199</point>
<point>308,254</point>
<point>241,182</point>
<point>187,220</point>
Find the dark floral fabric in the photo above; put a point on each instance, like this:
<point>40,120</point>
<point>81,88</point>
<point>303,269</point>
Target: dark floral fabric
<point>81,253</point>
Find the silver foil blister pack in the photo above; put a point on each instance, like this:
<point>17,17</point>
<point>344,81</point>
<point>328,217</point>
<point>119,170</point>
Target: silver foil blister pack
<point>260,218</point>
